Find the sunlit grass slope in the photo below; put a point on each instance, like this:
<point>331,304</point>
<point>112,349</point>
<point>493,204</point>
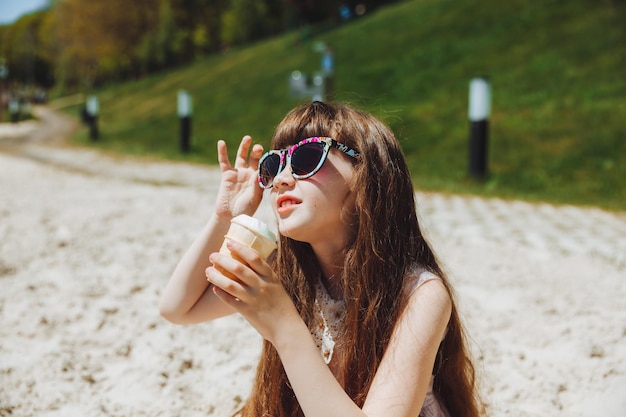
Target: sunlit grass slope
<point>557,69</point>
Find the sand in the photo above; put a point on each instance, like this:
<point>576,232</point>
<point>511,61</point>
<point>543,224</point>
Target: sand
<point>88,243</point>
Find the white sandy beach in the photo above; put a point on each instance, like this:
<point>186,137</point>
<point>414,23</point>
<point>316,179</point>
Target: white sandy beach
<point>88,242</point>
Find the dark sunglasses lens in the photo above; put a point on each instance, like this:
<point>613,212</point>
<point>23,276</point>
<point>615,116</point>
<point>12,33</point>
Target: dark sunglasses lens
<point>269,169</point>
<point>306,158</point>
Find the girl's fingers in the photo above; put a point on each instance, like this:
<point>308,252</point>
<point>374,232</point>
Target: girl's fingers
<point>216,277</point>
<point>231,271</point>
<point>252,261</point>
<point>225,297</point>
<point>222,156</point>
<point>241,160</point>
<point>255,156</point>
<point>239,276</point>
<point>242,153</point>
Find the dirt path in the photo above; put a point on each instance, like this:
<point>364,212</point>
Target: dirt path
<point>44,141</point>
<point>50,127</point>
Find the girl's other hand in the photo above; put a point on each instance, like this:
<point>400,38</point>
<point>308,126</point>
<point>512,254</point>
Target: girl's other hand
<point>256,293</point>
<point>239,192</point>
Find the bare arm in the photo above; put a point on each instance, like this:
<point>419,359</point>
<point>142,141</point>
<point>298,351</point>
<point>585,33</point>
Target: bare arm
<point>187,298</point>
<point>401,380</point>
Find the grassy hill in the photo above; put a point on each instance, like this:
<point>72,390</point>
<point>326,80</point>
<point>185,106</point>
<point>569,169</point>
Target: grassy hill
<point>557,69</point>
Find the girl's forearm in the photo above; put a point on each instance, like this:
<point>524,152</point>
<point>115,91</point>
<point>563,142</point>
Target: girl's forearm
<point>188,284</point>
<point>318,392</point>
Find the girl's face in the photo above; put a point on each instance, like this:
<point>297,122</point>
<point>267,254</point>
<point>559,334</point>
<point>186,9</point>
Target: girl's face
<point>310,210</point>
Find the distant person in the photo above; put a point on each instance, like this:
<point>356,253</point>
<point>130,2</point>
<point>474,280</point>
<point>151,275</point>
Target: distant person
<point>357,315</point>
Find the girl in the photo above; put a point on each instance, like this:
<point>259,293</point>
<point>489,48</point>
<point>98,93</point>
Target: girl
<point>357,316</point>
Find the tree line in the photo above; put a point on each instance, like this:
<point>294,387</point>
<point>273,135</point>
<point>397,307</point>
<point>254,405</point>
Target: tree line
<point>80,44</point>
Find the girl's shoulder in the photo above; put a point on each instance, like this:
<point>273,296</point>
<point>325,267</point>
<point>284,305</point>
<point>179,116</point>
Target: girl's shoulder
<point>437,298</point>
<point>417,277</point>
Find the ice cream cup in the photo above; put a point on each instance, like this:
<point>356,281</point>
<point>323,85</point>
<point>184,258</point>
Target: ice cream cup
<point>252,233</point>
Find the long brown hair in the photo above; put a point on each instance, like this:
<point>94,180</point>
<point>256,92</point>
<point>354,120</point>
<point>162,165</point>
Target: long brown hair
<point>387,244</point>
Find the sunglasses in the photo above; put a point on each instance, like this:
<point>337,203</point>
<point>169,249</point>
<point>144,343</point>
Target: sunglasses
<point>305,158</point>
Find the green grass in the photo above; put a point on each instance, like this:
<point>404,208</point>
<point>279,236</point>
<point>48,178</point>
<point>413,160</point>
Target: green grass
<point>558,75</point>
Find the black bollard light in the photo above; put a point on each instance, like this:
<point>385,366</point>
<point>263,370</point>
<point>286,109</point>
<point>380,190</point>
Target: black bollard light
<point>92,108</point>
<point>479,110</point>
<point>184,114</point>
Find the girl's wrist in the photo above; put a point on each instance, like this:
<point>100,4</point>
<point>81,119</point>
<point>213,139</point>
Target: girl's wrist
<point>292,336</point>
<point>219,223</point>
<point>220,218</point>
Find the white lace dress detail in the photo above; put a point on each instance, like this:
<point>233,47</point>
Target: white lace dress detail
<point>328,322</point>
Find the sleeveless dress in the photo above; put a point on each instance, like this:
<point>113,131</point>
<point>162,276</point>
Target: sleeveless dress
<point>328,327</point>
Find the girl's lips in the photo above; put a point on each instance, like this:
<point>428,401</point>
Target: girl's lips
<point>285,204</point>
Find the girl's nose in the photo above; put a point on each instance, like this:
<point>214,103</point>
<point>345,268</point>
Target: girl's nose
<point>284,177</point>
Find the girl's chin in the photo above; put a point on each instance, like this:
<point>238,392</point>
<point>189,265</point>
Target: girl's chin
<point>285,228</point>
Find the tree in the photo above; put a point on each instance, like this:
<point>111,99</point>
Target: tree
<point>22,49</point>
<point>88,42</point>
<point>249,20</point>
<point>98,40</point>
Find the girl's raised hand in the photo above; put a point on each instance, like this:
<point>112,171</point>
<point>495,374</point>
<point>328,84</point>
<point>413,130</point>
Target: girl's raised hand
<point>239,192</point>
